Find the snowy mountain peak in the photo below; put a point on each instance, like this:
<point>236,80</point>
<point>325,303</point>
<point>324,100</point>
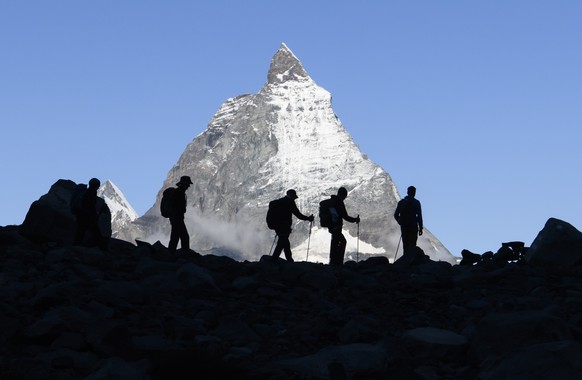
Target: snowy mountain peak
<point>285,67</point>
<point>122,213</point>
<point>258,146</point>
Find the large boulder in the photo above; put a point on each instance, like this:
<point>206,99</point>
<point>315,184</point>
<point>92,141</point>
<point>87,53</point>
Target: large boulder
<point>559,244</point>
<point>416,256</point>
<point>49,218</point>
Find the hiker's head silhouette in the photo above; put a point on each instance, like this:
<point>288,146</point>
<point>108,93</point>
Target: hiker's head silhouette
<point>411,191</point>
<point>184,181</point>
<point>292,194</point>
<point>94,183</point>
<point>342,193</point>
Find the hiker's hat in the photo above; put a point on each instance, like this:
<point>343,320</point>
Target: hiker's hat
<point>292,194</point>
<point>185,180</point>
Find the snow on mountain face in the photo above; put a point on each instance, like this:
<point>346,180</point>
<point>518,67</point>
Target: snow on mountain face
<point>258,146</point>
<point>122,213</point>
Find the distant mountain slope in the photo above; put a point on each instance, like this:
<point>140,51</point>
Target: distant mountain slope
<point>122,213</point>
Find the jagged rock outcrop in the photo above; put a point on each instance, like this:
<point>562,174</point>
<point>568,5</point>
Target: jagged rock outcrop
<point>260,145</point>
<point>135,312</point>
<point>558,244</point>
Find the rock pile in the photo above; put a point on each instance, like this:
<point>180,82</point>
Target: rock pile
<point>135,312</point>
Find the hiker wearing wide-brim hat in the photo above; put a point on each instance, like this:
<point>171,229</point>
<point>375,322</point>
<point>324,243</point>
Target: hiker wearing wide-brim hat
<point>184,180</point>
<point>174,208</point>
<point>283,210</point>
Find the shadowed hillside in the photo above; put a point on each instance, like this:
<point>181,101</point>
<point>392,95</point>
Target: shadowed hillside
<point>135,312</point>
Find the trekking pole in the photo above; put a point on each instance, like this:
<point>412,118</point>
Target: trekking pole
<point>272,244</point>
<point>398,246</point>
<point>308,241</point>
<point>358,243</point>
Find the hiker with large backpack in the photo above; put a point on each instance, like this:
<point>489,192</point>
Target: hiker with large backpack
<point>332,213</point>
<point>279,218</point>
<point>173,207</point>
<point>86,207</point>
<point>408,214</point>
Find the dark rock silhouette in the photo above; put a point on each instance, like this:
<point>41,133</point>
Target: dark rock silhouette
<point>558,244</point>
<point>136,312</point>
<point>513,251</point>
<point>50,219</point>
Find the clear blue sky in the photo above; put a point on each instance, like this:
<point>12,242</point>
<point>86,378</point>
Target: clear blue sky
<point>476,103</point>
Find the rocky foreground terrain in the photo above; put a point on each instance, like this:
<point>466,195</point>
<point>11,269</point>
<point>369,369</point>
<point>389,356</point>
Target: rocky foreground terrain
<point>135,312</point>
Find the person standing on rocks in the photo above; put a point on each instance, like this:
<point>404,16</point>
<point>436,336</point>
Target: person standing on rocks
<point>174,207</point>
<point>336,209</point>
<point>283,210</point>
<point>84,205</point>
<point>408,214</point>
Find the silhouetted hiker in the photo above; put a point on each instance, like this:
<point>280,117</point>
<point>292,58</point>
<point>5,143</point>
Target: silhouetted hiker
<point>279,218</point>
<point>408,214</point>
<point>332,214</point>
<point>85,206</point>
<point>173,206</point>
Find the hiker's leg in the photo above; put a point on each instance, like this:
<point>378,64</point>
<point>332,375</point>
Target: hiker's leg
<point>287,249</point>
<point>335,254</point>
<point>174,236</point>
<point>184,236</point>
<point>341,250</point>
<point>278,247</point>
<point>79,234</point>
<point>331,248</point>
<point>406,244</point>
<point>80,231</point>
<point>282,245</point>
<point>96,237</point>
<point>409,236</point>
<point>414,236</point>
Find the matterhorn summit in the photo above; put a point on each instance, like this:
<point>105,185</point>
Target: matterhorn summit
<point>258,146</point>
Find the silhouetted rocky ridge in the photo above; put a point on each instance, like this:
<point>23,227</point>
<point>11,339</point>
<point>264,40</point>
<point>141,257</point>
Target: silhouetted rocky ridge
<point>133,311</point>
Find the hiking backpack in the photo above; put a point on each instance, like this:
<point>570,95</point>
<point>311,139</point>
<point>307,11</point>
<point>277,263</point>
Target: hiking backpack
<point>274,214</point>
<point>76,201</point>
<point>167,203</point>
<point>328,216</point>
